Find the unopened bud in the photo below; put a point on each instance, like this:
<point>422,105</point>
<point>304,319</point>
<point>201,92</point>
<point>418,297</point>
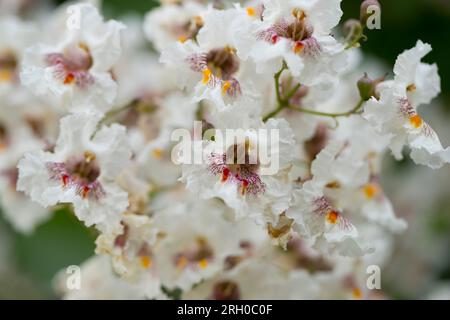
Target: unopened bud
<point>368,87</point>
<point>366,11</point>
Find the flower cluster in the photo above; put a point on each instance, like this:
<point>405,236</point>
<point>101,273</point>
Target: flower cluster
<point>86,120</point>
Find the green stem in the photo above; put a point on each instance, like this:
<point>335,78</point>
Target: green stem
<point>326,114</point>
<point>281,102</point>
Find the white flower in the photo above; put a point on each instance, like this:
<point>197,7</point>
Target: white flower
<point>99,282</point>
<point>212,66</point>
<point>397,118</point>
<point>395,114</point>
<point>244,185</point>
<point>132,253</point>
<point>19,210</point>
<point>298,32</point>
<point>173,22</point>
<point>75,71</point>
<point>15,36</point>
<point>195,241</point>
<point>81,170</point>
<point>340,193</point>
<point>419,81</point>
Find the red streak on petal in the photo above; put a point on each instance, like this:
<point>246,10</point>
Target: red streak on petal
<point>225,174</point>
<point>85,191</point>
<point>274,38</point>
<point>65,179</point>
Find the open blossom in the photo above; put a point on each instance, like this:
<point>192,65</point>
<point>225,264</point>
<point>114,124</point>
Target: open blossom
<point>195,242</point>
<point>101,282</point>
<point>233,169</point>
<point>15,36</point>
<point>299,33</point>
<point>74,70</point>
<point>212,66</point>
<point>81,170</point>
<point>131,252</point>
<point>395,114</point>
<point>174,22</point>
<point>17,138</point>
<point>341,192</point>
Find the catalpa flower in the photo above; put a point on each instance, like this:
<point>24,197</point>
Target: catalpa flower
<point>101,282</point>
<point>81,170</point>
<point>17,138</point>
<point>298,33</point>
<point>195,242</point>
<point>212,66</point>
<point>15,36</point>
<point>75,72</point>
<point>174,22</point>
<point>235,171</point>
<point>131,251</point>
<point>341,192</point>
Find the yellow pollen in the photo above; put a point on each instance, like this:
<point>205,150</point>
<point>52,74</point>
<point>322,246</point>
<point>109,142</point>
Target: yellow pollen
<point>206,76</point>
<point>5,75</point>
<point>411,87</point>
<point>332,216</point>
<point>158,153</point>
<point>226,86</point>
<point>370,190</point>
<point>416,121</point>
<point>89,156</point>
<point>146,262</point>
<point>356,292</point>
<point>182,39</point>
<point>251,11</point>
<point>203,263</point>
<point>299,14</point>
<point>182,262</point>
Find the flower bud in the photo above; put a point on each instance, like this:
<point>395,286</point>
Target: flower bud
<point>366,87</point>
<point>365,13</point>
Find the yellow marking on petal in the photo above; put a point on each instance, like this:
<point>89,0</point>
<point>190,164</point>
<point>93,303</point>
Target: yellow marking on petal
<point>158,153</point>
<point>182,39</point>
<point>332,216</point>
<point>182,262</point>
<point>298,47</point>
<point>416,121</point>
<point>70,78</point>
<point>356,293</point>
<point>203,263</point>
<point>412,87</point>
<point>251,11</point>
<point>206,76</point>
<point>370,190</point>
<point>226,85</point>
<point>146,262</point>
<point>5,75</point>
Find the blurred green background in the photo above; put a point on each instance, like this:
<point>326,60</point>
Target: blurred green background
<point>64,241</point>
